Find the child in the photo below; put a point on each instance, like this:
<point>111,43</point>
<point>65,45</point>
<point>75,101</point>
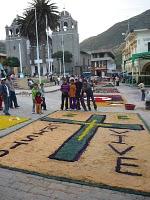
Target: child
<point>72,94</point>
<point>43,96</point>
<point>89,93</point>
<point>64,97</point>
<point>38,102</point>
<point>35,89</point>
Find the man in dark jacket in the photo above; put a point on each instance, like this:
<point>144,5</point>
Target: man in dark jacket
<point>12,98</point>
<point>65,94</point>
<point>79,96</point>
<point>86,88</point>
<point>4,92</point>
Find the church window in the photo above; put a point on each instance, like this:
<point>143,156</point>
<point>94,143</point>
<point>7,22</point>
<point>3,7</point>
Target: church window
<point>65,26</point>
<point>10,32</point>
<point>72,26</point>
<point>17,31</point>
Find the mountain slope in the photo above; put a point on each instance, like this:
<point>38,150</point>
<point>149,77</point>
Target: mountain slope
<point>113,36</point>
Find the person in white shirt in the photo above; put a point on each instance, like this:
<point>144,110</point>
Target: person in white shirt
<point>58,80</point>
<point>142,88</point>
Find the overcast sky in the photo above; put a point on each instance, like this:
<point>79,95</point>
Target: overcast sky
<point>93,16</point>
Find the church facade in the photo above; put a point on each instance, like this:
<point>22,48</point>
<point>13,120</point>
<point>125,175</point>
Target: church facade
<point>65,38</point>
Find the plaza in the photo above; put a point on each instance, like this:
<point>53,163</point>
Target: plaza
<point>75,115</point>
<point>18,184</point>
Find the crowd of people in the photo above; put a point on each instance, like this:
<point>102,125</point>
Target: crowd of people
<point>74,91</point>
<point>76,94</point>
<point>7,94</point>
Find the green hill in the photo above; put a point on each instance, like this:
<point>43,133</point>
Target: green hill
<point>112,38</point>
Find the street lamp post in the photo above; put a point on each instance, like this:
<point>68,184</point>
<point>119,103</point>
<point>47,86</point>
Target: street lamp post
<point>37,47</point>
<point>48,52</point>
<point>60,66</point>
<point>20,56</point>
<point>64,68</point>
<point>63,50</point>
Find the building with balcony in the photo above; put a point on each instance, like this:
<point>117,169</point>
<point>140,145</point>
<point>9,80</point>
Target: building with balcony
<point>102,62</point>
<point>136,56</point>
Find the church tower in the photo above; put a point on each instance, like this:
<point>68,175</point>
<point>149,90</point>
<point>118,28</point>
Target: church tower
<point>66,38</point>
<point>16,46</point>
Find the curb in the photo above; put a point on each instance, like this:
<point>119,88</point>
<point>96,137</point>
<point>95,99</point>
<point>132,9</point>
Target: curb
<point>29,93</point>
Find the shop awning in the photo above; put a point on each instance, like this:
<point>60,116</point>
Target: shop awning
<point>143,55</point>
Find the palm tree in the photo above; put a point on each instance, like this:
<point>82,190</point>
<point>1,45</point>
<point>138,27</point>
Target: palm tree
<point>27,21</point>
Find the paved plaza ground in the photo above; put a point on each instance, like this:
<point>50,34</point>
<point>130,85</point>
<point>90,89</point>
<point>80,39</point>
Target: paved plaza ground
<point>19,186</point>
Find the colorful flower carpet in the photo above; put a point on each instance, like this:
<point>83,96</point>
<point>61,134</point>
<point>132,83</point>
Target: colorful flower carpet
<point>108,150</point>
<point>106,90</point>
<point>8,121</point>
<point>108,100</point>
<point>105,84</point>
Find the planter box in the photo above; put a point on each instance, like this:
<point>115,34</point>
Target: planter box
<point>129,106</point>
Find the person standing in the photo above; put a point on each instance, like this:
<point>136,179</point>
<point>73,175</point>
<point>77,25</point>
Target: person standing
<point>58,80</point>
<point>147,100</point>
<point>4,92</point>
<point>117,80</point>
<point>1,100</point>
<point>89,93</point>
<point>35,90</point>
<point>142,88</point>
<point>72,94</point>
<point>42,91</point>
<point>64,96</point>
<point>38,103</point>
<point>13,98</point>
<point>79,97</point>
<point>2,74</point>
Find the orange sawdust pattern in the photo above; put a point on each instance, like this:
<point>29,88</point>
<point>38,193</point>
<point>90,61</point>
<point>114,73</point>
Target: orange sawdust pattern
<point>97,163</point>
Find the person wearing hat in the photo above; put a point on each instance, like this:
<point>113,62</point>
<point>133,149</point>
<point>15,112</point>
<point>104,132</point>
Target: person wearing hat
<point>4,92</point>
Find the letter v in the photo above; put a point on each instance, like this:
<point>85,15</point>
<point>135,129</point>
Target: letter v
<point>122,152</point>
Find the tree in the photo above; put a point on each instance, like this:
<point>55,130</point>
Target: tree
<point>12,62</point>
<point>27,21</point>
<point>59,55</point>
